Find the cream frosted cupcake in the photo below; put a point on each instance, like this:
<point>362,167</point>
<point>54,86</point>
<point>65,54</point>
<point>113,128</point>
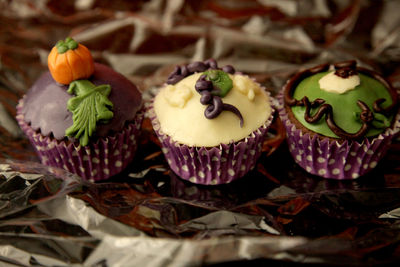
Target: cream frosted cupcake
<point>340,119</point>
<point>211,122</point>
<point>82,116</point>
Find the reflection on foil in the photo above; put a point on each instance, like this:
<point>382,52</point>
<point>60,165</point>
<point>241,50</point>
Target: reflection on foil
<point>147,216</point>
<point>63,220</point>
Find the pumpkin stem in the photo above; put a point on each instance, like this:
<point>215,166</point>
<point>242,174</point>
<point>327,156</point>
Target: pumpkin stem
<point>68,44</point>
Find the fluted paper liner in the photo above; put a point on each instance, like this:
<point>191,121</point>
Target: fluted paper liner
<point>96,161</point>
<point>212,165</point>
<point>330,159</point>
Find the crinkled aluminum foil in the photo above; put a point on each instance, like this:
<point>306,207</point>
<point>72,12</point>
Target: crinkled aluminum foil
<point>147,216</point>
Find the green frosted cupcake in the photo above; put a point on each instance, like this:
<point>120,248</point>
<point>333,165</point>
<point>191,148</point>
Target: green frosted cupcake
<point>340,119</point>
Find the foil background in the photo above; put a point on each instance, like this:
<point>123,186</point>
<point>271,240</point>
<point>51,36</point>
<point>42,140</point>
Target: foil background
<point>146,216</point>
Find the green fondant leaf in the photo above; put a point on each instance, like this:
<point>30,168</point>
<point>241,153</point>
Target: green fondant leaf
<point>88,107</point>
<point>220,80</point>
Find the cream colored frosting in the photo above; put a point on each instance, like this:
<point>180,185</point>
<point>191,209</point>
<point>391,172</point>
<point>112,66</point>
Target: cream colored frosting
<point>181,115</point>
<point>335,84</point>
<point>177,96</point>
<point>246,86</point>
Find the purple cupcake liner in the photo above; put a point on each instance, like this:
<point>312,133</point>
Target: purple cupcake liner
<point>212,165</point>
<point>330,159</point>
<point>96,161</point>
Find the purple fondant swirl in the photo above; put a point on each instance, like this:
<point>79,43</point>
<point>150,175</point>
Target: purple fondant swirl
<point>205,88</point>
<point>180,72</point>
<point>215,104</point>
<point>214,108</point>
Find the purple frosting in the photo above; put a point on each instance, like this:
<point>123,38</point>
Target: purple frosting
<point>45,103</point>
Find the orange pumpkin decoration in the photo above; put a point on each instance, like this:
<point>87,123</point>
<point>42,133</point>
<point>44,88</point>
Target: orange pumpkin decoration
<point>69,61</point>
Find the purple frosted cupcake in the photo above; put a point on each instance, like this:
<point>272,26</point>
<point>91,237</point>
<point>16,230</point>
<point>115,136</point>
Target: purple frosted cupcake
<point>211,122</point>
<point>340,119</point>
<point>82,116</point>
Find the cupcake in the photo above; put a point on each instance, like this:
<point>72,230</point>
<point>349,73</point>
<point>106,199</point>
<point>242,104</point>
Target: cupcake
<point>340,119</point>
<point>81,116</point>
<point>211,122</point>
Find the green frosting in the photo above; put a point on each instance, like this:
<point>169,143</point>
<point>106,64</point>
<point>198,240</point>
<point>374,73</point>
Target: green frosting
<point>345,109</point>
<point>220,80</point>
<point>90,106</point>
<point>68,44</point>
